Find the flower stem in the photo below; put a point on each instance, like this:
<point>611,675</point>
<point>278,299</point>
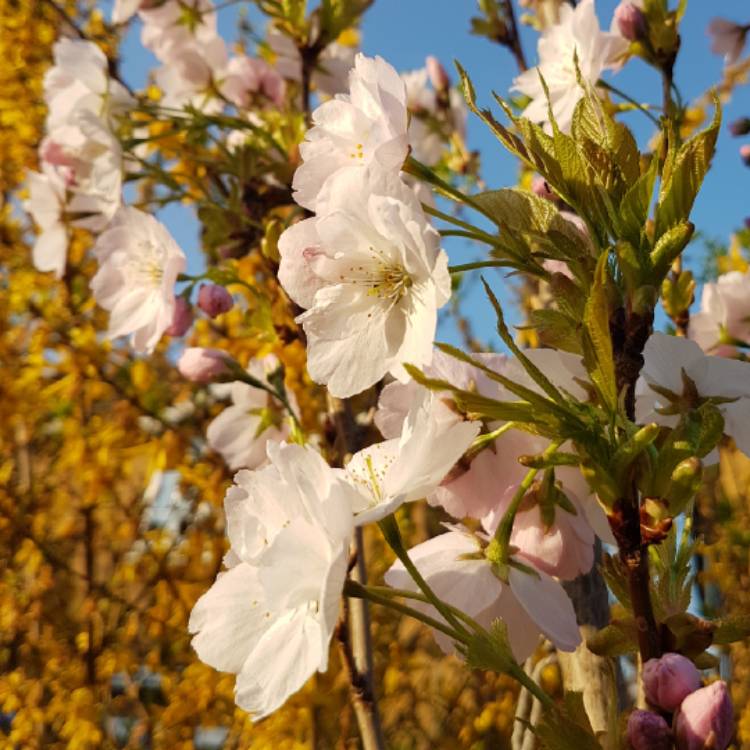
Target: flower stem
<point>371,593</point>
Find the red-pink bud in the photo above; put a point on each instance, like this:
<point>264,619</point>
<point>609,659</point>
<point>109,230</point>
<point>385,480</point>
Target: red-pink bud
<point>667,681</point>
<point>203,365</point>
<point>745,153</point>
<point>214,299</point>
<point>630,21</point>
<point>182,318</point>
<point>705,719</point>
<point>648,731</point>
<point>437,74</point>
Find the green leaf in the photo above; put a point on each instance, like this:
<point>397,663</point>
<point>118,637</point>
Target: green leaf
<point>683,177</point>
<point>692,635</point>
<point>557,330</point>
<point>567,727</point>
<point>618,638</point>
<point>490,650</point>
<point>597,342</point>
<point>534,372</point>
<point>668,247</point>
<point>635,204</point>
<point>731,629</point>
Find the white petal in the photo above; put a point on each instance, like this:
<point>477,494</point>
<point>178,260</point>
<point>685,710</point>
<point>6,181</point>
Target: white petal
<point>546,602</point>
<point>229,619</point>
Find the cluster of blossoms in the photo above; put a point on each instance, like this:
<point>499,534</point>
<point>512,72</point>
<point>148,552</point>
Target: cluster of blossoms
<point>702,716</point>
<point>368,272</point>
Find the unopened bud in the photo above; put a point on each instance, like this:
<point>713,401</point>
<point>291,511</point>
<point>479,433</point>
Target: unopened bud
<point>437,74</point>
<point>203,365</point>
<point>182,318</point>
<point>745,154</point>
<point>684,483</point>
<point>740,127</point>
<point>214,299</point>
<point>630,21</point>
<point>540,187</point>
<point>669,680</point>
<point>648,731</point>
<point>705,720</point>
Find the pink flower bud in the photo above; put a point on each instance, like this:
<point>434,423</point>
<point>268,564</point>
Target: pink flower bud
<point>705,719</point>
<point>182,318</point>
<point>630,21</point>
<point>540,187</point>
<point>214,299</point>
<point>667,681</point>
<point>745,154</point>
<point>437,74</point>
<point>203,365</point>
<point>648,731</point>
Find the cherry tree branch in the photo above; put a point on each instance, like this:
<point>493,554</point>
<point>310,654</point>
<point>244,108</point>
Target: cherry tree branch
<point>354,632</point>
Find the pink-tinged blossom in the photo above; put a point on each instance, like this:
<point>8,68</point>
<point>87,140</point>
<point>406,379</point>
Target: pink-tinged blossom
<point>241,431</point>
<point>139,263</point>
<point>245,78</point>
<point>629,20</point>
<point>214,299</point>
<point>724,314</point>
<point>485,488</point>
<point>648,731</point>
<point>202,365</point>
<point>372,276</point>
<point>745,154</point>
<point>411,466</point>
<point>668,357</point>
<point>667,681</point>
<point>79,80</point>
<point>46,205</point>
<point>705,719</point>
<point>577,34</point>
<point>366,126</point>
<point>182,318</point>
<point>529,603</point>
<point>87,159</point>
<point>438,76</point>
<point>727,39</point>
<point>270,617</point>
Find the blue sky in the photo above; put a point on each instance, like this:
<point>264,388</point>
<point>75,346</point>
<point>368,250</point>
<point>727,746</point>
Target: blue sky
<point>405,31</point>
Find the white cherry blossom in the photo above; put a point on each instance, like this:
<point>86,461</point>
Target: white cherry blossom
<point>577,34</point>
<point>530,603</point>
<point>46,205</point>
<point>366,126</point>
<point>138,266</point>
<point>270,617</point>
<point>241,431</point>
<point>372,275</point>
<point>668,357</point>
<point>79,80</point>
<point>724,314</point>
<point>87,158</point>
<point>410,467</point>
